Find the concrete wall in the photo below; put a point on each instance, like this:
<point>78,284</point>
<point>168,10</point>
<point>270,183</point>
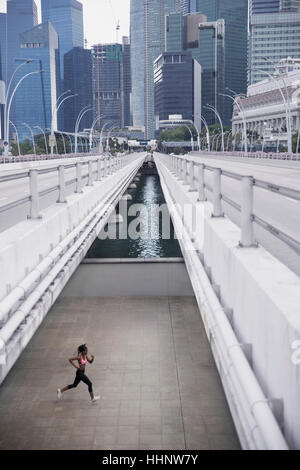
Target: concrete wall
<point>260,295</point>
<point>117,278</point>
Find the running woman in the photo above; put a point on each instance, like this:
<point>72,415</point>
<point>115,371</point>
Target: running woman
<point>82,358</point>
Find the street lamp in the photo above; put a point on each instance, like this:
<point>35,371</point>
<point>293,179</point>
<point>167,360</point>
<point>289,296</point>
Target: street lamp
<point>55,110</point>
<point>18,141</point>
<point>32,135</point>
<point>40,129</point>
<point>6,118</point>
<point>10,102</point>
<point>212,108</point>
<point>84,110</point>
<point>234,99</point>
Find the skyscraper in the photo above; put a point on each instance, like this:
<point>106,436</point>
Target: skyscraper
<point>206,42</point>
<point>126,78</point>
<point>147,43</point>
<point>78,77</point>
<point>274,35</point>
<point>21,16</point>
<point>66,17</point>
<point>264,6</point>
<point>36,96</point>
<point>235,16</point>
<point>177,80</point>
<point>107,77</point>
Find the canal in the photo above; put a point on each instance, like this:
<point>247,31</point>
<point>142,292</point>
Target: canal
<point>145,232</point>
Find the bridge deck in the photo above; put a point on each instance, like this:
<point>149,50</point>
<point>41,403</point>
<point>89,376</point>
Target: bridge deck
<point>153,368</point>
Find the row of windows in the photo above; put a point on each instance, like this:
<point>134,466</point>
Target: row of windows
<point>32,45</point>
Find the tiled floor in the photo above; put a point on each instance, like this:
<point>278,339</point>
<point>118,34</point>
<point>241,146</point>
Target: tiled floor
<point>153,369</point>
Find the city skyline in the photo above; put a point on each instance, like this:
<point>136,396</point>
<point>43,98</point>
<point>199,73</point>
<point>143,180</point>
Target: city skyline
<point>99,19</point>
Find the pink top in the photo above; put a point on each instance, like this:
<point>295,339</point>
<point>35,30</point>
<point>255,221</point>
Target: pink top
<point>83,361</point>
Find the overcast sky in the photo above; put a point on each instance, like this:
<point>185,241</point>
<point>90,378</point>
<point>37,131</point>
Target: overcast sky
<point>99,20</point>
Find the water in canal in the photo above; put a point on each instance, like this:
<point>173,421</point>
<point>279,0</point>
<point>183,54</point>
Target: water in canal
<point>144,232</point>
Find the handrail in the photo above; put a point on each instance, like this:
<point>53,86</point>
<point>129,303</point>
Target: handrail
<point>180,169</point>
<point>113,163</point>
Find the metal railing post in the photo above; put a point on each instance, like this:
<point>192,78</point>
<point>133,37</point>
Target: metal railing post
<point>201,187</point>
<point>247,233</point>
<point>192,177</point>
<point>99,169</point>
<point>61,184</point>
<point>185,173</point>
<point>90,179</point>
<point>34,195</point>
<point>78,178</point>
<point>217,195</point>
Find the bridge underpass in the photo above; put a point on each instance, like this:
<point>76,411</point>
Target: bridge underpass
<point>257,412</point>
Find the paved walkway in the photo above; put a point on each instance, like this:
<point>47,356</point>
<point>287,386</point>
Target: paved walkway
<point>153,368</point>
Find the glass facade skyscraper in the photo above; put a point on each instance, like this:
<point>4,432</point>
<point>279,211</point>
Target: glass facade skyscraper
<point>21,16</point>
<point>273,36</point>
<point>147,43</point>
<point>235,16</point>
<point>264,6</point>
<point>107,77</point>
<point>177,81</point>
<point>36,96</point>
<point>66,17</point>
<point>78,77</point>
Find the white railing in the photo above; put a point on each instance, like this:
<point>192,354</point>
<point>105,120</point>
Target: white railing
<point>255,155</point>
<point>97,169</point>
<point>192,173</point>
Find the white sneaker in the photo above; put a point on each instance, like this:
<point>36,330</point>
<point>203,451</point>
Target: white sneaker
<point>59,394</point>
<point>95,399</point>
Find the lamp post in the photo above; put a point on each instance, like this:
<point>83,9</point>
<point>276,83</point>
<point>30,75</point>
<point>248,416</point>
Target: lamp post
<point>6,117</point>
<point>9,105</point>
<point>84,110</point>
<point>207,131</point>
<point>55,110</point>
<point>18,141</point>
<point>40,129</point>
<point>97,118</point>
<point>286,103</point>
<point>234,99</point>
<point>101,133</point>
<point>212,108</point>
<point>32,135</point>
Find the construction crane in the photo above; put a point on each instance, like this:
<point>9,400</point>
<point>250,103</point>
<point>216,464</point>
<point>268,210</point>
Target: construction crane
<point>117,22</point>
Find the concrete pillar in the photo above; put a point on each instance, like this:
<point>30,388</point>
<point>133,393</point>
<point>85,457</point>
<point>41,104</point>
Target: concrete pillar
<point>34,195</point>
<point>78,178</point>
<point>247,235</point>
<point>201,188</point>
<point>90,178</point>
<point>192,177</point>
<point>217,196</point>
<point>185,172</point>
<point>61,184</point>
<point>99,169</point>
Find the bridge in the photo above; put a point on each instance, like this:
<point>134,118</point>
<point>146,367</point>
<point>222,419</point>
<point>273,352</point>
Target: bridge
<point>193,353</point>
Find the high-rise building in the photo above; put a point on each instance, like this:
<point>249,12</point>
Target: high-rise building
<point>66,17</point>
<point>2,70</point>
<point>21,16</point>
<point>147,40</point>
<point>36,96</point>
<point>78,77</point>
<point>177,80</point>
<point>107,78</point>
<point>264,6</point>
<point>126,78</point>
<point>206,42</point>
<point>235,16</point>
<point>273,36</point>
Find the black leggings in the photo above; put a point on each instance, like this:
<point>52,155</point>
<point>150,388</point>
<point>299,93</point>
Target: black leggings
<point>80,376</point>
